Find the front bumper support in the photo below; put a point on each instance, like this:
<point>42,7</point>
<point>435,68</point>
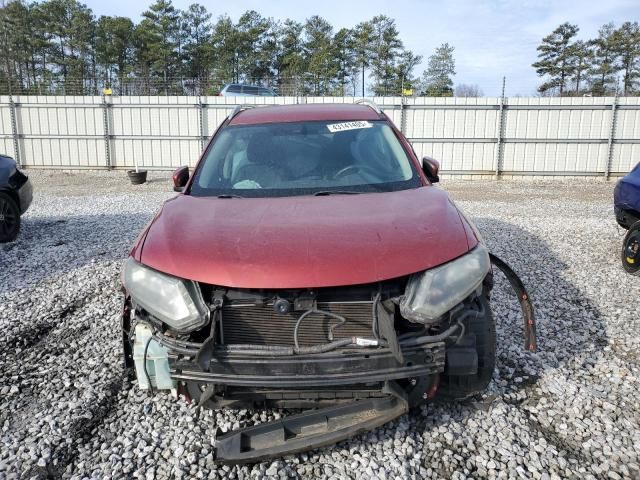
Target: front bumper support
<point>317,370</point>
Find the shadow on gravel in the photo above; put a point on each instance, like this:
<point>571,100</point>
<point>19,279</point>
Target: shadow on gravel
<point>51,246</point>
<point>571,332</point>
<point>569,324</point>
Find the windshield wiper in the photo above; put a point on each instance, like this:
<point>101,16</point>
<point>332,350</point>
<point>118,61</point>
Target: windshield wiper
<point>228,195</point>
<point>323,193</point>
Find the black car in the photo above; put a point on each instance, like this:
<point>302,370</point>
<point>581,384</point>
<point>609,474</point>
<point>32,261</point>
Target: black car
<point>15,197</point>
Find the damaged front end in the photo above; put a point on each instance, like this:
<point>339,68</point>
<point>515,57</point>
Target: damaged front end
<point>364,353</point>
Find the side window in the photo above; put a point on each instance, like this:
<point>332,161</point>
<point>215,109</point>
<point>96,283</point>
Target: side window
<point>249,90</point>
<point>265,92</point>
<point>234,89</point>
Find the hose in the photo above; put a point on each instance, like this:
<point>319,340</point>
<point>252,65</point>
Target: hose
<point>341,319</point>
<point>144,362</point>
<point>530,342</point>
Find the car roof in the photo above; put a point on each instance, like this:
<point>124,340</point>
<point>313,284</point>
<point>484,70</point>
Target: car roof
<point>305,113</point>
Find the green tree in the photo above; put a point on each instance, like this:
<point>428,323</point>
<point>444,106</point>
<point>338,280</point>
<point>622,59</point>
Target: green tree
<point>157,32</point>
<point>407,61</point>
<point>437,77</point>
<point>626,42</point>
<point>290,61</point>
<point>225,45</point>
<point>255,46</point>
<point>114,44</point>
<point>581,57</point>
<point>604,63</point>
<point>386,47</point>
<point>345,57</point>
<point>318,47</point>
<point>363,36</point>
<point>198,47</point>
<point>554,58</point>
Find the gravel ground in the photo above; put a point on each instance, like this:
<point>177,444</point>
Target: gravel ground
<point>570,410</point>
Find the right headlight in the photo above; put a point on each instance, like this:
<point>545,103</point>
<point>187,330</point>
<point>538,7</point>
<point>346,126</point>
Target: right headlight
<point>172,300</point>
<point>432,293</point>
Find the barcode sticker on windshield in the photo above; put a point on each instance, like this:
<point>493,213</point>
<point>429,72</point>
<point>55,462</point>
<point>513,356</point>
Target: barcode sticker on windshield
<point>341,127</point>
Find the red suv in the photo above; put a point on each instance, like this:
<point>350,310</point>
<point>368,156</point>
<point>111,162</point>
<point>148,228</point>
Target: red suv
<point>309,262</point>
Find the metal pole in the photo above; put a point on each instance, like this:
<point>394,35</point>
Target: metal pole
<point>403,116</point>
<point>499,146</point>
<point>107,134</point>
<point>201,114</point>
<point>14,130</point>
<point>612,133</point>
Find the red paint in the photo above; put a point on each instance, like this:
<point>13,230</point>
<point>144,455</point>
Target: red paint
<point>305,113</point>
<point>304,241</point>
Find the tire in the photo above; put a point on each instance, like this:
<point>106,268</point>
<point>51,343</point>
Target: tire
<point>459,387</point>
<point>9,218</point>
<point>630,253</point>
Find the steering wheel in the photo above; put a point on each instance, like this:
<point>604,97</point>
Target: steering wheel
<point>352,169</point>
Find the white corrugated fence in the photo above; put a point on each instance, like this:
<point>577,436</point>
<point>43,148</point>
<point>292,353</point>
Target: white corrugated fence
<point>585,136</point>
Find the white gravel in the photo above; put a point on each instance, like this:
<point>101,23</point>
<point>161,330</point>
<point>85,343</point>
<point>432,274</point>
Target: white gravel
<point>570,410</point>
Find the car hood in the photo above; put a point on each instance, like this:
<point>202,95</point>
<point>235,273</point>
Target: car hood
<point>304,241</point>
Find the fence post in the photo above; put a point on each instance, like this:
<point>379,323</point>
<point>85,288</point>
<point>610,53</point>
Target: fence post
<point>500,145</point>
<point>106,106</point>
<point>201,107</point>
<point>612,133</point>
<point>14,131</point>
<point>403,116</point>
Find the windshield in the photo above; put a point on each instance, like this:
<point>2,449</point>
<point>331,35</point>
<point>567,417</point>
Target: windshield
<point>304,158</point>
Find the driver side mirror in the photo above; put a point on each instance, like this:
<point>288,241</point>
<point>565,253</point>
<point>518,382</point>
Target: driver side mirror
<point>431,167</point>
<point>180,178</point>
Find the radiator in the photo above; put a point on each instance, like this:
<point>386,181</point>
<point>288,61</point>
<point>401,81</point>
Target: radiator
<point>261,325</point>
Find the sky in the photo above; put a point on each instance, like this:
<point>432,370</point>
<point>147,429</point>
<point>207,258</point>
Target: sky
<point>492,39</point>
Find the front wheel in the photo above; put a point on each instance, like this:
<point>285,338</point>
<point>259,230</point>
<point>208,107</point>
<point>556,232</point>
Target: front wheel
<point>630,254</point>
<point>483,327</point>
<point>9,218</point>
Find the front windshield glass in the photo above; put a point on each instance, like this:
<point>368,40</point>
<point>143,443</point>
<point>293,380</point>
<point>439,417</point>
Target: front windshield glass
<point>304,158</point>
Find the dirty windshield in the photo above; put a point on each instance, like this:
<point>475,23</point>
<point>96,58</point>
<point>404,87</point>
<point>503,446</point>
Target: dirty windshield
<point>305,158</point>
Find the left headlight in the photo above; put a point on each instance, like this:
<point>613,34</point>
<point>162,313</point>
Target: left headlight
<point>172,300</point>
<point>432,293</point>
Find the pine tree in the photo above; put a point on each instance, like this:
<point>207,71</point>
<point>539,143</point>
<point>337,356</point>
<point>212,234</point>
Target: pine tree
<point>555,58</point>
<point>114,43</point>
<point>581,57</point>
<point>363,36</point>
<point>437,77</point>
<point>604,64</point>
<point>626,43</point>
<point>290,61</point>
<point>404,80</point>
<point>345,56</point>
<point>386,46</point>
<point>159,29</point>
<point>198,46</point>
<point>318,48</point>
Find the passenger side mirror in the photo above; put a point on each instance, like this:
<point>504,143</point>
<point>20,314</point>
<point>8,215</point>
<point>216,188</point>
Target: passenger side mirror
<point>180,178</point>
<point>431,167</point>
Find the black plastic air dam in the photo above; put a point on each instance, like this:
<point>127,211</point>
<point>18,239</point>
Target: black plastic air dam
<point>312,429</point>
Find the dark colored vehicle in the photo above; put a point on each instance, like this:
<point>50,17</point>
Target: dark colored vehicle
<point>15,197</point>
<point>626,200</point>
<point>309,262</point>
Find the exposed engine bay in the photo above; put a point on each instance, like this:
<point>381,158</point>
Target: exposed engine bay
<point>355,351</point>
